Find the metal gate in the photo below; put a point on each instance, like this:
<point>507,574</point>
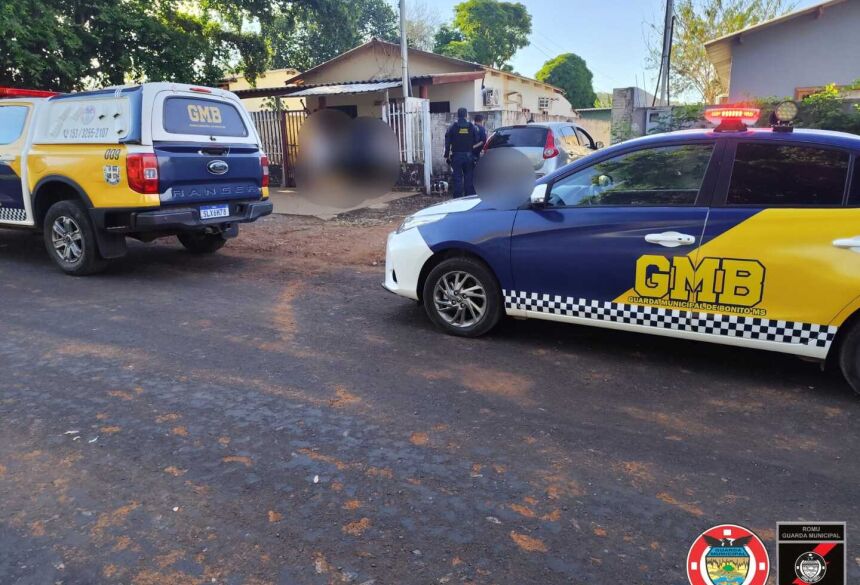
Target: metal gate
<point>279,133</point>
<point>410,120</point>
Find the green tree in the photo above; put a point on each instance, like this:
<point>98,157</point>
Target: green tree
<point>305,35</point>
<point>697,22</point>
<point>68,44</point>
<point>485,31</point>
<point>570,73</point>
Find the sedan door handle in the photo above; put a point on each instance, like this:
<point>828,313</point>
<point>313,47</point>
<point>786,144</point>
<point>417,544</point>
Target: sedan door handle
<point>671,239</point>
<point>848,243</point>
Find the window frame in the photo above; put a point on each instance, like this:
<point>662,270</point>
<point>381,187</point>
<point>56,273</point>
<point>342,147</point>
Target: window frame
<point>853,181</point>
<point>28,109</point>
<point>721,194</point>
<point>581,131</point>
<point>706,189</point>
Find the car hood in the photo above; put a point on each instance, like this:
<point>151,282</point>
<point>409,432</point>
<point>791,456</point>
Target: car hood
<point>453,206</point>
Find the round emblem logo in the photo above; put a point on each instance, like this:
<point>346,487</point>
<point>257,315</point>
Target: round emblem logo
<point>810,567</point>
<point>727,555</point>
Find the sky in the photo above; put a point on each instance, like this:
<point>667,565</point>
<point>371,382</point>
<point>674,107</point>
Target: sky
<point>611,35</point>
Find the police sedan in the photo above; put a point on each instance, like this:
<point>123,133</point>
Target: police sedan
<point>735,235</point>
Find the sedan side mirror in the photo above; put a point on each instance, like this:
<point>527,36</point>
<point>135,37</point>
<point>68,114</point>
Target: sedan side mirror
<point>538,196</point>
<point>598,145</point>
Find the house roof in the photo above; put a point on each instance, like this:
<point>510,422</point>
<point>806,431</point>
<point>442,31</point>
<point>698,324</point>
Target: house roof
<point>720,49</point>
<point>361,86</point>
<point>467,65</point>
<point>344,88</point>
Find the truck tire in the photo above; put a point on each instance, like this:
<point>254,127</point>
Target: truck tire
<point>201,242</point>
<point>70,238</point>
<point>849,356</point>
<point>462,297</point>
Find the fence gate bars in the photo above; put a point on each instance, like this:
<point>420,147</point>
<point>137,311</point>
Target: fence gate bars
<point>279,133</point>
<point>410,120</point>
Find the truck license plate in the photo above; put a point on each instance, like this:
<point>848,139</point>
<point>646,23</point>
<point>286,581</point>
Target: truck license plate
<point>212,211</point>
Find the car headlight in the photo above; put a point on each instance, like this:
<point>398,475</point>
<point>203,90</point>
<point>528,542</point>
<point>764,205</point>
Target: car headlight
<point>413,221</point>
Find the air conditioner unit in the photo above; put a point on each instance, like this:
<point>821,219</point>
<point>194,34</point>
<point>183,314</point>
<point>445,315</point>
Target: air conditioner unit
<point>491,97</point>
<point>657,118</point>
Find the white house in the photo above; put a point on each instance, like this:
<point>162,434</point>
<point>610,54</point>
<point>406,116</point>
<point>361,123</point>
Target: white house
<point>359,81</point>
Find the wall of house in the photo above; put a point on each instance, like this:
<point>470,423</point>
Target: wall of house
<point>463,94</point>
<point>517,93</point>
<point>273,78</point>
<point>803,52</point>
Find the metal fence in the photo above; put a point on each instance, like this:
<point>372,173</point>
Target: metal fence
<point>410,120</point>
<point>279,132</point>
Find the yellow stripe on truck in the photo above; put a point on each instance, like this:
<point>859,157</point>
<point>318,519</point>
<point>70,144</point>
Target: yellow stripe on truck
<point>89,165</point>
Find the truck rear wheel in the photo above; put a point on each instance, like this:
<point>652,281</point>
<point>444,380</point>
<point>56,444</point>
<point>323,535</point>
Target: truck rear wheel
<point>201,242</point>
<point>849,356</point>
<point>71,239</point>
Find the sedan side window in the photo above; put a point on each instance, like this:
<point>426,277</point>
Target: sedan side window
<point>774,175</point>
<point>669,175</point>
<point>12,120</point>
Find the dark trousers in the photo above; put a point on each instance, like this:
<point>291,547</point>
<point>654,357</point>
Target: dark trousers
<point>462,165</point>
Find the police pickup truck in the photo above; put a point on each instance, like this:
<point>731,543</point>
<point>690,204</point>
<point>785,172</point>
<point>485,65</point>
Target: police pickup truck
<point>90,169</point>
<point>735,235</point>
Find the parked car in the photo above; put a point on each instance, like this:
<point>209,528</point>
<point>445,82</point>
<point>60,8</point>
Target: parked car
<point>549,146</point>
<point>741,236</point>
<point>89,169</point>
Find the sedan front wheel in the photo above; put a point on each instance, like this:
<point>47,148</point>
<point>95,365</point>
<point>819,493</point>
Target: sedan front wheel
<point>462,297</point>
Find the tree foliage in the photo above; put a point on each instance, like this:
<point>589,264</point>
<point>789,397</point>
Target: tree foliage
<point>570,73</point>
<point>304,35</point>
<point>422,24</point>
<point>485,31</point>
<point>700,21</point>
<point>68,44</point>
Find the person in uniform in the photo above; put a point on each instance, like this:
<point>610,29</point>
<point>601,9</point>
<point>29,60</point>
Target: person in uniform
<point>478,121</point>
<point>460,140</point>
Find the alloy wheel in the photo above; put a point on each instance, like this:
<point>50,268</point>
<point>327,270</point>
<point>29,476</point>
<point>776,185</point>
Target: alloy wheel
<point>67,239</point>
<point>460,299</point>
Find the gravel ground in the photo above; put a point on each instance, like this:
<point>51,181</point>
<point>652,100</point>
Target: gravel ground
<point>270,415</point>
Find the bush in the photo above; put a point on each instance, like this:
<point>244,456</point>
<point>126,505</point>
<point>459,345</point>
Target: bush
<point>825,110</point>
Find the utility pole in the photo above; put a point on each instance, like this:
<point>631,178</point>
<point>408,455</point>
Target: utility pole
<point>404,53</point>
<point>666,57</point>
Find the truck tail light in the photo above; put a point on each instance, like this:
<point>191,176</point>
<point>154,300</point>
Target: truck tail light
<point>549,149</point>
<point>264,162</point>
<point>487,142</point>
<point>142,171</point>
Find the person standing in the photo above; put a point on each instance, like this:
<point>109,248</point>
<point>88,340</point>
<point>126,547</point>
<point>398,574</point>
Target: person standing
<point>460,139</point>
<point>478,122</point>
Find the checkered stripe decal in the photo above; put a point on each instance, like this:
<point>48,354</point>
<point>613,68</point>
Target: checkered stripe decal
<point>691,321</point>
<point>12,214</point>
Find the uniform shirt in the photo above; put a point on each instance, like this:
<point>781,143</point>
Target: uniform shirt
<point>482,138</point>
<point>460,137</point>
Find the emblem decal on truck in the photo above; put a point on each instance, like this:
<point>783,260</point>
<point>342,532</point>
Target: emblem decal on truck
<point>112,176</point>
<point>218,167</point>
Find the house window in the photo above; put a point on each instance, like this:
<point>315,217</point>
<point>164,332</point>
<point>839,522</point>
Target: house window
<point>440,107</point>
<point>543,103</point>
<point>351,111</point>
<point>804,92</point>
